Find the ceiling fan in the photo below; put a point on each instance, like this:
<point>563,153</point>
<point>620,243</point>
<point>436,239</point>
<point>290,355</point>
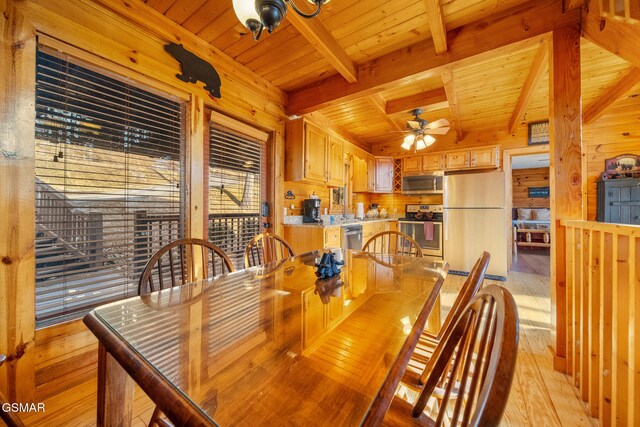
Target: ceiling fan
<point>421,131</point>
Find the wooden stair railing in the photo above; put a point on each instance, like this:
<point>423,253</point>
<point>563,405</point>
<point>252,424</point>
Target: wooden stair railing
<point>602,323</point>
<point>627,11</point>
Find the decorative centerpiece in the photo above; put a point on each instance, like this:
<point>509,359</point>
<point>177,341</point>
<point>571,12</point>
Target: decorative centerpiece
<point>328,266</point>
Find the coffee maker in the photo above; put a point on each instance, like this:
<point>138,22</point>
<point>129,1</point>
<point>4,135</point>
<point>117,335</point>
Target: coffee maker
<point>311,211</point>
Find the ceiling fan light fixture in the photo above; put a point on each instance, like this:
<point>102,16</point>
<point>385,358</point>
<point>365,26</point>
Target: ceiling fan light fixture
<point>420,143</point>
<point>429,140</point>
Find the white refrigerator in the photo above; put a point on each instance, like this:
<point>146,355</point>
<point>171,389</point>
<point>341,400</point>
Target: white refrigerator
<point>475,220</point>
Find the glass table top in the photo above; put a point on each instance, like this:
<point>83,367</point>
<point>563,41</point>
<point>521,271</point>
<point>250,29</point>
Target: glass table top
<point>274,345</point>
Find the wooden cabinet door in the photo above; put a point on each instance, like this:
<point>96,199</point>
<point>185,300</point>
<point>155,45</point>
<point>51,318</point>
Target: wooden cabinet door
<point>384,175</point>
<point>360,175</point>
<point>336,303</point>
<point>371,173</point>
<point>457,160</point>
<point>484,157</point>
<point>412,164</point>
<point>313,324</point>
<point>335,165</point>
<point>332,237</point>
<point>432,162</point>
<point>315,153</point>
<point>392,226</point>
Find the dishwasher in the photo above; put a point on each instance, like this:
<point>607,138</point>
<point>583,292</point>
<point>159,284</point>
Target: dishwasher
<point>352,236</point>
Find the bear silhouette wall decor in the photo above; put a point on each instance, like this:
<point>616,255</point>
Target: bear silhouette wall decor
<point>195,68</point>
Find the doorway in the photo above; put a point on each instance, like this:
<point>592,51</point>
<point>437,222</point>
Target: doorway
<point>528,206</point>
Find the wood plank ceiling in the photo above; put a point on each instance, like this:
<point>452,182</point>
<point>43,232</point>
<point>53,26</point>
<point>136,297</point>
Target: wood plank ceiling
<point>501,90</point>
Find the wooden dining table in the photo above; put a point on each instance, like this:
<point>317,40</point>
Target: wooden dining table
<point>270,345</point>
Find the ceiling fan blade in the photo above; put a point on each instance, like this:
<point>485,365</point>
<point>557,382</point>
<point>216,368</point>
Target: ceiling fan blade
<point>414,124</point>
<point>437,131</point>
<point>438,124</point>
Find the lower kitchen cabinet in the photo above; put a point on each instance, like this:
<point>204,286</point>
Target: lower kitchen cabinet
<point>308,238</point>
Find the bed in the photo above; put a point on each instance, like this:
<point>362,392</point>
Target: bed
<point>531,228</point>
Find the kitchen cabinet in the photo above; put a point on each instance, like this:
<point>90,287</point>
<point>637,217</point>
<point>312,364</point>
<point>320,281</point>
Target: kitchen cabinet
<point>484,157</point>
<point>384,175</point>
<point>618,201</point>
<point>456,160</point>
<point>371,173</point>
<point>473,158</point>
<point>412,164</point>
<point>360,175</point>
<point>432,162</point>
<point>306,239</point>
<point>332,237</point>
<point>313,155</point>
<point>335,162</point>
<point>370,229</point>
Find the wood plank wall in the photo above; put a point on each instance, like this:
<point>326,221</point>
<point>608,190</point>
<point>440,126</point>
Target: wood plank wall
<point>523,179</point>
<point>616,132</point>
<point>64,355</point>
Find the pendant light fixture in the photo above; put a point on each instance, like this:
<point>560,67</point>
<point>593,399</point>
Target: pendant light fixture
<point>257,15</point>
<point>421,141</point>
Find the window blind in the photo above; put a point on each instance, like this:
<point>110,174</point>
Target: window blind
<point>236,188</point>
<point>109,173</point>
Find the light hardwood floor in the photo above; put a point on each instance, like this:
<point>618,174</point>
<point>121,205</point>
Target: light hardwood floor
<point>540,396</point>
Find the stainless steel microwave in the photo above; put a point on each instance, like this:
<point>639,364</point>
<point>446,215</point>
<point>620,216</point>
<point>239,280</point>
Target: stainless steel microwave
<point>423,183</point>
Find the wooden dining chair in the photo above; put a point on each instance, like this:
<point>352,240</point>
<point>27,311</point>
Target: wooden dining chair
<point>393,243</point>
<point>178,263</point>
<point>265,248</point>
<point>428,341</point>
<point>475,361</point>
<point>183,261</point>
<point>10,418</point>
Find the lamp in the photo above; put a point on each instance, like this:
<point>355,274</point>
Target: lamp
<point>259,14</point>
<point>422,141</point>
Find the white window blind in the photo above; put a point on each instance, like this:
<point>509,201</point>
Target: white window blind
<point>236,188</point>
<point>109,173</point>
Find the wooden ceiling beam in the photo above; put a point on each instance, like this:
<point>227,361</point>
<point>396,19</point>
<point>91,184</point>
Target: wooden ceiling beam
<point>498,34</point>
<point>379,104</point>
<point>621,88</point>
<point>435,99</point>
<point>540,65</point>
<point>435,16</point>
<point>322,40</point>
<point>452,97</point>
<point>619,38</point>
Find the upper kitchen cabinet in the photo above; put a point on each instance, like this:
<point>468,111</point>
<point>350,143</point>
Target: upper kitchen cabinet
<point>371,173</point>
<point>432,162</point>
<point>424,163</point>
<point>360,175</point>
<point>313,155</point>
<point>485,157</point>
<point>335,161</point>
<point>384,175</point>
<point>475,158</point>
<point>412,164</point>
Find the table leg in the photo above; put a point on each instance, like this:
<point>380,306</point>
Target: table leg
<point>115,392</point>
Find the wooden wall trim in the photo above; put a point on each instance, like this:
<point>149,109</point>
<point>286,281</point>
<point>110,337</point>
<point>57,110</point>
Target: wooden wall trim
<point>17,200</point>
<point>565,118</point>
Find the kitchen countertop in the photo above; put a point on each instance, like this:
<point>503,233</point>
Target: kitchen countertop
<point>349,222</point>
